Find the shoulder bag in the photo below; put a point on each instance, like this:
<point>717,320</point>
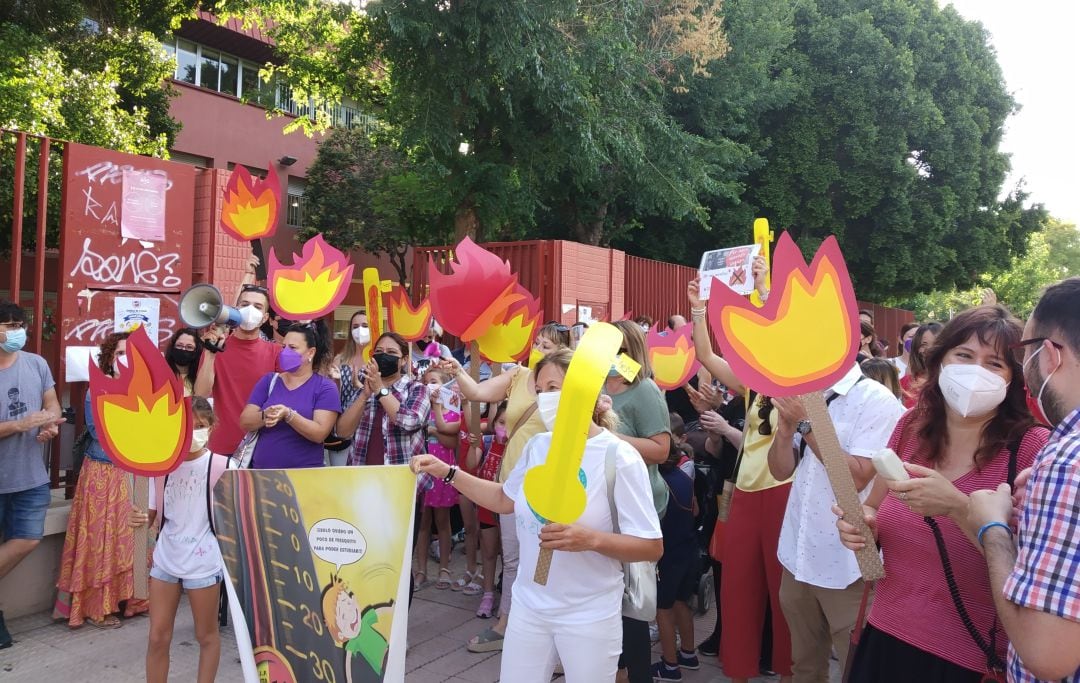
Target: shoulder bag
<point>639,578</point>
<point>246,449</point>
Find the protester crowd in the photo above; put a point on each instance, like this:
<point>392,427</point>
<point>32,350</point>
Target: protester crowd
<point>722,488</point>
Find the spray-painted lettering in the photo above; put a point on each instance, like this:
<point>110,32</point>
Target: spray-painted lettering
<point>107,172</point>
<point>94,330</point>
<point>144,267</point>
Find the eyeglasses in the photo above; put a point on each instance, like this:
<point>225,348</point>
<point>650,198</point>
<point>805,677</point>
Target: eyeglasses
<point>14,325</point>
<point>1018,348</point>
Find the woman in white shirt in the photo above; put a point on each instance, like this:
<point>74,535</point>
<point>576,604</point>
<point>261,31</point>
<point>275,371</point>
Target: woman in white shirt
<point>577,617</point>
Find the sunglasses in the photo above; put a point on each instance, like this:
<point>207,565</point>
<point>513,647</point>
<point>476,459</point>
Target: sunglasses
<point>559,327</point>
<point>765,428</point>
<point>255,288</point>
<point>1035,340</point>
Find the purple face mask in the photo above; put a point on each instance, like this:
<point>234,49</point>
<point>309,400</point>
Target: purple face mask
<point>289,360</point>
<point>907,345</point>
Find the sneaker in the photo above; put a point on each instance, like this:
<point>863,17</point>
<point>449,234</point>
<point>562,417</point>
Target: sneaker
<point>5,637</point>
<point>662,671</point>
<point>688,660</point>
<point>710,647</point>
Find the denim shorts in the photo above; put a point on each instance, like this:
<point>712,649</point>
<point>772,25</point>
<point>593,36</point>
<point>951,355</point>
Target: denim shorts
<point>186,584</point>
<point>22,513</point>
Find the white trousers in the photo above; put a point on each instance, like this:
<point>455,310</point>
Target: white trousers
<point>589,652</point>
<point>508,535</point>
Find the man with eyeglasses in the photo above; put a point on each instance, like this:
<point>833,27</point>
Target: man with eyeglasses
<point>1035,576</point>
<point>234,364</point>
<point>29,416</point>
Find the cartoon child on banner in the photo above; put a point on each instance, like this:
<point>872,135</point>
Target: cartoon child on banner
<point>354,628</point>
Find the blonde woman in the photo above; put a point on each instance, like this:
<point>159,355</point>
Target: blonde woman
<point>577,617</point>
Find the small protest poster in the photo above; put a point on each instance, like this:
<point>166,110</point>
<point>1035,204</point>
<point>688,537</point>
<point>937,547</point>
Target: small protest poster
<point>317,571</point>
<point>130,312</point>
<point>142,214</point>
<point>732,266</point>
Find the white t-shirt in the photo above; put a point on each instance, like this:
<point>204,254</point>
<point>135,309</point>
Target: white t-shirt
<point>582,587</point>
<point>186,547</point>
<point>864,415</point>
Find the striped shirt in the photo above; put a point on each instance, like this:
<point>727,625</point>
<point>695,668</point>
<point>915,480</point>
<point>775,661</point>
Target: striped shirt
<point>1046,576</point>
<point>912,603</point>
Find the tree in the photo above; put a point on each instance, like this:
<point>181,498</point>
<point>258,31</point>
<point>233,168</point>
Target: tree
<point>1053,253</point>
<point>85,72</point>
<point>892,144</point>
<point>519,110</point>
<point>363,195</point>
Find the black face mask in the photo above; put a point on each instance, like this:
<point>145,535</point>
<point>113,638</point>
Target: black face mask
<point>388,364</point>
<point>182,357</point>
<point>422,345</point>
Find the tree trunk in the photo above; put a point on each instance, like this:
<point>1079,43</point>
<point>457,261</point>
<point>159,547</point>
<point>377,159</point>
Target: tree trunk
<point>593,231</point>
<point>466,222</point>
<point>397,260</point>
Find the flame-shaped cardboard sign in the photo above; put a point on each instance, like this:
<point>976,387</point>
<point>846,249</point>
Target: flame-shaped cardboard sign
<point>142,418</point>
<point>250,208</point>
<point>476,294</point>
<point>672,356</point>
<point>553,490</point>
<point>411,323</point>
<point>803,339</point>
<point>512,331</point>
<point>374,288</point>
<point>314,285</point>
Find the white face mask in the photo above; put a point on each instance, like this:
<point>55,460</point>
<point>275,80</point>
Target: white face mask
<point>250,318</point>
<point>971,390</point>
<point>547,404</point>
<point>361,335</point>
<point>1039,394</point>
<point>199,437</point>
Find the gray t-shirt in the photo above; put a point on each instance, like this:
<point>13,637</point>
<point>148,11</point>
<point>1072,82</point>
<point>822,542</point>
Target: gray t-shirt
<point>22,386</point>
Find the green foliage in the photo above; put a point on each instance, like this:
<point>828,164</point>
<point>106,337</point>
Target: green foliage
<point>363,195</point>
<point>891,144</point>
<point>96,82</point>
<point>1053,253</point>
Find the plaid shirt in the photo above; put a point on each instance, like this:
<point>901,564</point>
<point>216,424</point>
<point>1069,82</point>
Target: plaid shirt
<point>1046,576</point>
<point>404,436</point>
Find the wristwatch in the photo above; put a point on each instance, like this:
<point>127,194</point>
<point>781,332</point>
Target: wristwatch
<point>383,392</point>
<point>804,427</point>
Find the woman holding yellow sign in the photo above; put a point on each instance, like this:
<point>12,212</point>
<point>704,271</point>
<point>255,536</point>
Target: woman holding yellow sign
<point>516,387</point>
<point>577,615</point>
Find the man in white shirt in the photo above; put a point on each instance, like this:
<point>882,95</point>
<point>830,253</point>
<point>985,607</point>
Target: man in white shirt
<point>822,587</point>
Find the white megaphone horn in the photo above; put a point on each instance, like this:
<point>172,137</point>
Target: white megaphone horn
<point>202,306</point>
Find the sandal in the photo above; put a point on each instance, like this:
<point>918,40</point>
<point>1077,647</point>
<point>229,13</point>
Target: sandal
<point>419,579</point>
<point>467,579</point>
<point>444,579</point>
<point>488,640</point>
<point>487,606</point>
<point>108,622</point>
<point>474,586</point>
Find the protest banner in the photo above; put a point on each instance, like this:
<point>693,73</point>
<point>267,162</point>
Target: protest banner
<point>317,565</point>
<point>731,266</point>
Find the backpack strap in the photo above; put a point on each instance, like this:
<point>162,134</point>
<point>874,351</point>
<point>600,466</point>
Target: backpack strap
<point>828,402</point>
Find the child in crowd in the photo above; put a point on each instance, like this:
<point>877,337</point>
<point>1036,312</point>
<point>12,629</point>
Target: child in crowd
<point>677,575</point>
<point>445,422</point>
<point>487,467</point>
<point>881,370</point>
<point>186,555</point>
<point>468,583</point>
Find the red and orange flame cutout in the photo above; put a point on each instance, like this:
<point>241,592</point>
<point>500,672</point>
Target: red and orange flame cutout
<point>672,356</point>
<point>250,208</point>
<point>142,418</point>
<point>314,286</point>
<point>804,338</point>
<point>481,300</point>
<point>411,323</point>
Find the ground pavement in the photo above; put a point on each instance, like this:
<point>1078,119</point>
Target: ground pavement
<point>439,625</point>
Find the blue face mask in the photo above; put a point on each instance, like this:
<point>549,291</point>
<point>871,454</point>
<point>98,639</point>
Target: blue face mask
<point>14,340</point>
